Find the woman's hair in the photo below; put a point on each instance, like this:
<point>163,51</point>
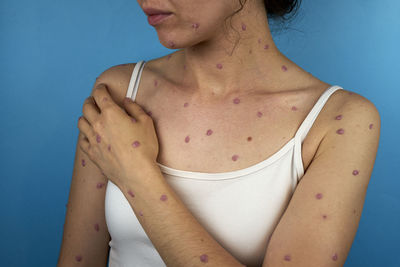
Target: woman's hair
<point>280,8</point>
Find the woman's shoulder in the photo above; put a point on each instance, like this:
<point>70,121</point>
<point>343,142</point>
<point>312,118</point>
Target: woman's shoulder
<point>117,77</point>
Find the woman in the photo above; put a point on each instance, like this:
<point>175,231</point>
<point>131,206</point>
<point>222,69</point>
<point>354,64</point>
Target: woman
<point>231,154</point>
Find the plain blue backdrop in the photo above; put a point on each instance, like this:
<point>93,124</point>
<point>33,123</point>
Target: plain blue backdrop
<point>51,51</point>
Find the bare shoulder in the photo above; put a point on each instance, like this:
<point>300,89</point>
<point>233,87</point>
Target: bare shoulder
<point>356,113</point>
<point>351,115</point>
<point>117,80</point>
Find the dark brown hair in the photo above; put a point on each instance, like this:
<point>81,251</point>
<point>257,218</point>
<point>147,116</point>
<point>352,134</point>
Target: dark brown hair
<point>281,8</point>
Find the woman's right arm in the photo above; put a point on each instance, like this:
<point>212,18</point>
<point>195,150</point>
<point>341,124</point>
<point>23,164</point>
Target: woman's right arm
<point>85,238</point>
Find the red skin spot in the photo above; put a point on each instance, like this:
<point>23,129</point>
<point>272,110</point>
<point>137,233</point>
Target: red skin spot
<point>149,113</point>
<point>171,43</point>
<point>350,93</point>
<point>294,108</point>
<point>355,172</point>
<point>287,258</point>
<point>187,139</point>
<point>235,157</point>
<point>105,99</point>
<point>266,47</point>
<point>184,66</point>
<point>186,104</point>
<point>109,147</point>
<point>140,213</point>
<point>259,114</point>
<point>338,117</point>
<point>131,193</point>
<point>249,138</point>
<point>209,132</point>
<point>334,257</point>
<point>318,196</point>
<point>78,257</point>
<point>195,25</point>
<point>169,56</point>
<point>370,126</point>
<point>219,66</point>
<point>133,119</point>
<point>83,163</point>
<point>243,26</point>
<point>204,258</point>
<point>100,185</point>
<point>236,100</point>
<point>98,138</point>
<point>96,227</point>
<point>163,198</point>
<point>155,82</point>
<point>324,216</point>
<point>284,68</point>
<point>340,131</point>
<point>136,144</point>
<point>259,40</point>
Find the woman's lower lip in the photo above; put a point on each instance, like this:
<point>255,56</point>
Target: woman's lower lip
<point>157,18</point>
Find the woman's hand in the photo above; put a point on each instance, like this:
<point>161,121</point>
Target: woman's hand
<point>120,142</point>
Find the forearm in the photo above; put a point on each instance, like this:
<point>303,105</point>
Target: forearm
<point>178,237</point>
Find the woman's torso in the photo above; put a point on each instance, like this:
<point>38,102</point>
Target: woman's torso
<point>264,190</point>
<point>231,125</point>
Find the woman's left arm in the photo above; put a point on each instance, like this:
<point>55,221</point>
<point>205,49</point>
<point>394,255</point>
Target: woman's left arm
<point>321,220</point>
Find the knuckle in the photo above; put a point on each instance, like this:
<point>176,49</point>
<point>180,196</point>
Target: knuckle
<point>98,125</point>
<point>108,112</point>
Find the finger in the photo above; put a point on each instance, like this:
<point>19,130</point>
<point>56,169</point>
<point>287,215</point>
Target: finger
<point>102,97</point>
<point>87,130</point>
<point>90,110</point>
<point>134,109</point>
<point>84,143</point>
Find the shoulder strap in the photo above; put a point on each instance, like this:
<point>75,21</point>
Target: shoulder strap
<point>309,120</point>
<point>135,80</point>
<point>306,126</point>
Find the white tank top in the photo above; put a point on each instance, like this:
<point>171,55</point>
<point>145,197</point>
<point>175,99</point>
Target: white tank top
<point>242,225</point>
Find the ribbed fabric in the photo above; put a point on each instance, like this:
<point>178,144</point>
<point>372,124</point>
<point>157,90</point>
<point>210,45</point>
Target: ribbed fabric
<point>240,209</point>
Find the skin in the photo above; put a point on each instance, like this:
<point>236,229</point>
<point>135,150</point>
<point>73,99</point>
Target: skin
<point>204,258</point>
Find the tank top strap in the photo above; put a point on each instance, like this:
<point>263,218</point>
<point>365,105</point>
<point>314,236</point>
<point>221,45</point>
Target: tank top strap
<point>135,80</point>
<point>306,126</point>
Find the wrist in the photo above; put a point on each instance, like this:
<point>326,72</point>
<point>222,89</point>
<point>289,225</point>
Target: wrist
<point>148,173</point>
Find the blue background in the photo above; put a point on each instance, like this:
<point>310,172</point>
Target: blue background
<point>51,51</point>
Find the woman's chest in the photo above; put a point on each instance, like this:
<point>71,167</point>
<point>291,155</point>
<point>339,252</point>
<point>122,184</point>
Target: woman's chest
<point>225,137</point>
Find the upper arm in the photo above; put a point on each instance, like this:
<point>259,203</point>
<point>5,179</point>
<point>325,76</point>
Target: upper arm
<point>85,230</point>
<point>321,220</point>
